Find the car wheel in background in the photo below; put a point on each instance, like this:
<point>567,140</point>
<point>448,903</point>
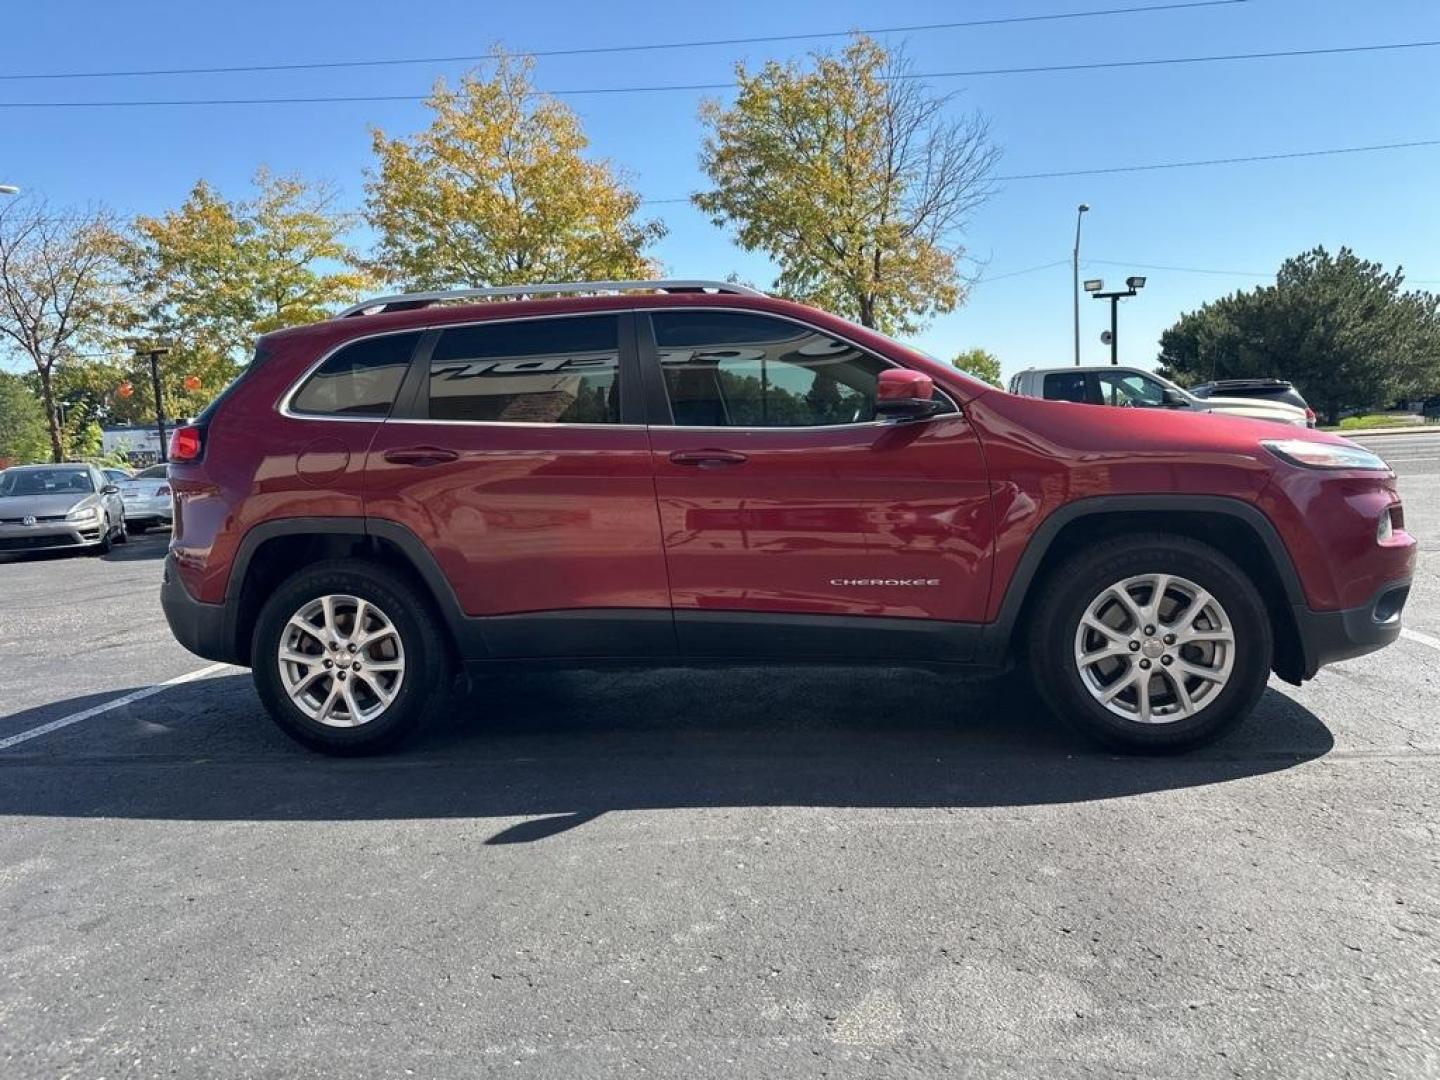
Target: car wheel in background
<point>346,657</point>
<point>1151,643</point>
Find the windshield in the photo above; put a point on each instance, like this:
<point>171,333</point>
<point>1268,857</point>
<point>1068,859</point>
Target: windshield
<point>45,482</point>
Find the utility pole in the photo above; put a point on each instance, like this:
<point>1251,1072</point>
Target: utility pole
<point>1132,286</point>
<point>155,352</point>
<point>1075,266</point>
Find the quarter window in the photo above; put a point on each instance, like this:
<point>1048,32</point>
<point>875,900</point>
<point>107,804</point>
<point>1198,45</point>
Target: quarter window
<point>1066,386</point>
<point>732,369</point>
<point>361,379</point>
<point>544,371</point>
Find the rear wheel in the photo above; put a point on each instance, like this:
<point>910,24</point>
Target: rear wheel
<point>346,658</point>
<point>1152,643</point>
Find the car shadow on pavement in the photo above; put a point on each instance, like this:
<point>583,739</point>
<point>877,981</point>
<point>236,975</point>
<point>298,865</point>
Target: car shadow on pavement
<point>558,749</point>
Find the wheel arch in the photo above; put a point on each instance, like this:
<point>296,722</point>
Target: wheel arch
<point>272,551</point>
<point>1235,528</point>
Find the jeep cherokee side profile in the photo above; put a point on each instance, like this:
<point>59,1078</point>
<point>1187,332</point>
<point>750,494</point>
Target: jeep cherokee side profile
<point>671,473</point>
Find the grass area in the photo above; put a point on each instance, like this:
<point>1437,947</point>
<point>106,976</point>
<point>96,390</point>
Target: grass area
<point>1378,420</point>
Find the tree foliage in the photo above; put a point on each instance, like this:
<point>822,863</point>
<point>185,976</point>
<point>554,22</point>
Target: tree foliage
<point>60,289</point>
<point>853,178</point>
<point>497,191</point>
<point>1344,330</point>
<point>24,436</point>
<point>984,365</point>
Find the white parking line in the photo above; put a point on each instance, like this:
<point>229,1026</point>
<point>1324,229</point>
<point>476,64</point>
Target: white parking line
<point>1423,639</point>
<point>118,703</point>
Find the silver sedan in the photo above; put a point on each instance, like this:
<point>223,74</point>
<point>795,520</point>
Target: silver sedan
<point>147,499</point>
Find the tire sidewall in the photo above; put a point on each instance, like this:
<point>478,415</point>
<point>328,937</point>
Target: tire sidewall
<point>1066,691</point>
<point>406,613</point>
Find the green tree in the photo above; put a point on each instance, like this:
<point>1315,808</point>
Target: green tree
<point>853,178</point>
<point>985,366</point>
<point>497,191</point>
<point>24,436</point>
<point>1344,330</point>
<point>215,273</point>
<point>60,289</point>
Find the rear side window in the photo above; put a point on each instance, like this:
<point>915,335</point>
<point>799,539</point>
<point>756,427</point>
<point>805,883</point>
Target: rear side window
<point>1066,386</point>
<point>540,371</point>
<point>732,369</point>
<point>360,379</point>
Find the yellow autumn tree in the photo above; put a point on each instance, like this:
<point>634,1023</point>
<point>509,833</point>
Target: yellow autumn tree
<point>497,191</point>
<point>853,178</point>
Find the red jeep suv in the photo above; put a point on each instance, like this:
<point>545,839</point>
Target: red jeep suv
<point>673,473</point>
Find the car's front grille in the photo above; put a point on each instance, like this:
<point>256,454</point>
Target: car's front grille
<point>38,520</point>
<point>27,543</point>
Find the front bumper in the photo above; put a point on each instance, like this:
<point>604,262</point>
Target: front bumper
<point>207,630</point>
<point>48,536</point>
<point>1330,636</point>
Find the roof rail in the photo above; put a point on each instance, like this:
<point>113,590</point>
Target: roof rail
<point>408,301</point>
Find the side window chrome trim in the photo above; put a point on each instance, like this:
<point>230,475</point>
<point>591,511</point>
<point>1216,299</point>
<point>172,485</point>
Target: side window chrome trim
<point>284,408</point>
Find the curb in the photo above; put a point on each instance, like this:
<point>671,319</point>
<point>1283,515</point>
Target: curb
<point>1365,433</point>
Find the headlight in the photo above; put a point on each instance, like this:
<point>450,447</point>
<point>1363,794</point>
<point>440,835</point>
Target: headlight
<point>1320,455</point>
<point>84,513</point>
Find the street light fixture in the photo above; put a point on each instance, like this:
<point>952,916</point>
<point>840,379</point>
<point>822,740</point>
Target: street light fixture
<point>1094,285</point>
<point>1132,286</point>
<point>9,189</point>
<point>1080,212</point>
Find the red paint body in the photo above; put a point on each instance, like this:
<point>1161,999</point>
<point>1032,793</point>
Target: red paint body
<point>553,517</point>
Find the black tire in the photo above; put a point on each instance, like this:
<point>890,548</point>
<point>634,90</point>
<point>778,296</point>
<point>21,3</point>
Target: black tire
<point>107,539</point>
<point>122,534</point>
<point>134,528</point>
<point>424,652</point>
<point>1068,592</point>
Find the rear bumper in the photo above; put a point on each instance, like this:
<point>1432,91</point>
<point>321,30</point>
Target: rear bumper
<point>1329,636</point>
<point>204,629</point>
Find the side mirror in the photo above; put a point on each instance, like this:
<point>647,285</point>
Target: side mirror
<point>1175,400</point>
<point>906,395</point>
<point>110,489</point>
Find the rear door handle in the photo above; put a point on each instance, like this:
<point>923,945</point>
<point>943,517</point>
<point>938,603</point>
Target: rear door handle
<point>708,459</point>
<point>420,455</point>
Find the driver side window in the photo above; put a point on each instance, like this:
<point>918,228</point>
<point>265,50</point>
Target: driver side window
<point>1129,388</point>
<point>733,369</point>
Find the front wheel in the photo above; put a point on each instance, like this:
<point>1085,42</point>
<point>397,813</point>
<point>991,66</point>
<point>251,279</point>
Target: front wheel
<point>1151,643</point>
<point>346,658</point>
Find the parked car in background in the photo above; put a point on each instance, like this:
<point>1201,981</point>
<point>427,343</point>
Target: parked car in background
<point>147,499</point>
<point>1130,387</point>
<point>1260,389</point>
<point>49,507</point>
<point>671,475</point>
<point>115,475</point>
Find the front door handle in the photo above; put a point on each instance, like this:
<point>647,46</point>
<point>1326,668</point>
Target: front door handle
<point>420,455</point>
<point>708,459</point>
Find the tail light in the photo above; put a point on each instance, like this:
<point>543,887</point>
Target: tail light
<point>1310,416</point>
<point>187,443</point>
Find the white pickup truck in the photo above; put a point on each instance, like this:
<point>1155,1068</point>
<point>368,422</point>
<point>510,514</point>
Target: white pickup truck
<point>1131,387</point>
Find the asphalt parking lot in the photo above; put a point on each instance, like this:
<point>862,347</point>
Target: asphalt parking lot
<point>705,873</point>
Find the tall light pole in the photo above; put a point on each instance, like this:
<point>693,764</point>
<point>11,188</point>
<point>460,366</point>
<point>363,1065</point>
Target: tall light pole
<point>154,352</point>
<point>1079,216</point>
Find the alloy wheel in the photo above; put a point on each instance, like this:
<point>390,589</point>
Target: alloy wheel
<point>341,660</point>
<point>1155,648</point>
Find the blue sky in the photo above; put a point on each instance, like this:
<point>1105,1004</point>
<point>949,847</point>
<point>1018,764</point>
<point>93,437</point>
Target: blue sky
<point>1242,219</point>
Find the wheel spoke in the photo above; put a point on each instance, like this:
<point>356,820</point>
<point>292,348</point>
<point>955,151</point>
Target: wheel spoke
<point>1119,686</point>
<point>1209,675</point>
<point>1183,699</point>
<point>352,707</point>
<point>385,696</point>
<point>331,699</point>
<point>293,656</point>
<point>357,628</point>
<point>306,628</point>
<point>332,628</point>
<point>1105,652</point>
<point>375,635</point>
<point>1122,594</point>
<point>303,684</point>
<point>1157,594</point>
<point>1101,628</point>
<point>1142,697</point>
<point>384,665</point>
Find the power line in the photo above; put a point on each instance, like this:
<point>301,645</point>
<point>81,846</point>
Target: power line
<point>587,91</point>
<point>1152,166</point>
<point>607,49</point>
<point>1221,161</point>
